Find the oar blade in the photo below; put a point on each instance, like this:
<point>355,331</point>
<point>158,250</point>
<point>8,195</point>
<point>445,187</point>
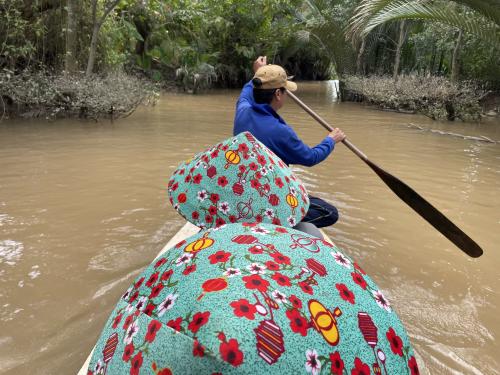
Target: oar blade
<point>428,212</point>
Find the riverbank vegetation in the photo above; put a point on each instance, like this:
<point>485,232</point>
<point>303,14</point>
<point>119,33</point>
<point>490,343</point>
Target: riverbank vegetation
<point>58,56</point>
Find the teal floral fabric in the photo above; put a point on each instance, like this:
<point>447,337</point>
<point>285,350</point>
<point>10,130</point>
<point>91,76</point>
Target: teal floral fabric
<point>237,180</point>
<point>253,299</point>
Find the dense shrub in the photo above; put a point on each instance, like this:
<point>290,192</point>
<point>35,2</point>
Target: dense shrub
<point>45,95</point>
<point>436,97</point>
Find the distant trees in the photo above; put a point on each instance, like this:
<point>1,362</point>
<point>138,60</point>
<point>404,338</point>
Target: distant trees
<point>213,41</point>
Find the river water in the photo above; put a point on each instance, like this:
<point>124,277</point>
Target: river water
<point>84,208</point>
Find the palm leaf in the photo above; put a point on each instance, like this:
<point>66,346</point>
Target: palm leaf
<point>488,8</point>
<point>477,25</point>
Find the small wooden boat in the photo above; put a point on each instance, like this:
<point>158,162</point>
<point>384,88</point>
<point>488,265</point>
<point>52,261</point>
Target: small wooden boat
<point>189,230</point>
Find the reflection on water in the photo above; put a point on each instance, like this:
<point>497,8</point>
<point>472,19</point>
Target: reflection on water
<point>83,208</point>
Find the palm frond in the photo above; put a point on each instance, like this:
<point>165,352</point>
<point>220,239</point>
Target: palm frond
<point>488,8</point>
<point>475,24</point>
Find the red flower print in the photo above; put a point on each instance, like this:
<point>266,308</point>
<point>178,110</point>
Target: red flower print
<point>209,218</point>
<point>272,266</point>
<point>298,323</point>
<point>243,308</point>
<point>281,279</point>
<point>133,297</point>
<point>195,215</point>
<point>258,218</point>
<point>128,351</point>
<point>256,282</point>
<point>199,320</point>
<point>278,182</point>
<point>243,148</point>
<point>287,179</point>
<point>231,353</point>
<point>220,256</point>
<point>280,258</point>
<point>253,166</point>
<point>149,309</point>
<point>214,198</point>
<point>212,210</point>
<point>160,262</point>
<point>274,200</point>
<point>197,179</point>
<point>258,176</point>
<point>189,269</point>
<point>139,282</point>
<point>181,198</point>
<point>356,265</point>
<point>276,221</point>
<point>211,172</point>
<point>198,349</point>
<point>222,181</point>
<point>214,154</point>
<point>295,301</point>
<point>345,293</point>
<point>306,288</point>
<point>153,327</point>
<point>128,322</point>
<point>165,371</point>
<point>175,186</point>
<point>117,320</point>
<point>166,275</point>
<point>233,219</point>
<point>175,324</point>
<point>257,249</point>
<point>261,160</point>
<point>219,221</point>
<point>242,168</point>
<point>358,279</point>
<point>395,341</point>
<point>179,244</point>
<point>412,364</point>
<point>360,368</point>
<point>152,280</point>
<point>255,183</point>
<point>136,364</point>
<point>156,290</point>
<point>337,364</point>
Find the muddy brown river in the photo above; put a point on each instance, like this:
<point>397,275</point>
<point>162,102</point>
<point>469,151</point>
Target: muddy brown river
<point>84,208</point>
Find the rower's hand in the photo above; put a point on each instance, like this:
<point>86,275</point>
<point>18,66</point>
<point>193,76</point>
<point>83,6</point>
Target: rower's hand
<point>337,135</point>
<point>261,61</point>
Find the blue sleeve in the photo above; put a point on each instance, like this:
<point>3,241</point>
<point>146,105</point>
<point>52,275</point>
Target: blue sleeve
<point>246,96</point>
<point>298,152</point>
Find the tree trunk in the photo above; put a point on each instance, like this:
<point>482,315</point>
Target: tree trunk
<point>401,39</point>
<point>359,59</point>
<point>108,7</point>
<point>70,63</point>
<point>93,48</point>
<point>455,60</point>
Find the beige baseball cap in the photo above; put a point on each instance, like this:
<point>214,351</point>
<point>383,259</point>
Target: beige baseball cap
<point>273,77</point>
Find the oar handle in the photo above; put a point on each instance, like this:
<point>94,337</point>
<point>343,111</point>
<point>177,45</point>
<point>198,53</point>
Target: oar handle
<point>326,125</point>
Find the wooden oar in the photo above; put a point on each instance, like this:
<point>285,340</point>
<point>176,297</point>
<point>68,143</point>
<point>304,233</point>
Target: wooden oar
<point>408,195</point>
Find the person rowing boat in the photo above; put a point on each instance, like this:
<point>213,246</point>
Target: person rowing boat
<point>256,112</point>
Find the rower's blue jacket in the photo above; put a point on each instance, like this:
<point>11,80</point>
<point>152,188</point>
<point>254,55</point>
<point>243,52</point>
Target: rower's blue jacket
<point>268,127</point>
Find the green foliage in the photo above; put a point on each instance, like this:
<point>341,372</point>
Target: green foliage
<point>477,17</point>
<point>213,42</point>
<point>14,28</point>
